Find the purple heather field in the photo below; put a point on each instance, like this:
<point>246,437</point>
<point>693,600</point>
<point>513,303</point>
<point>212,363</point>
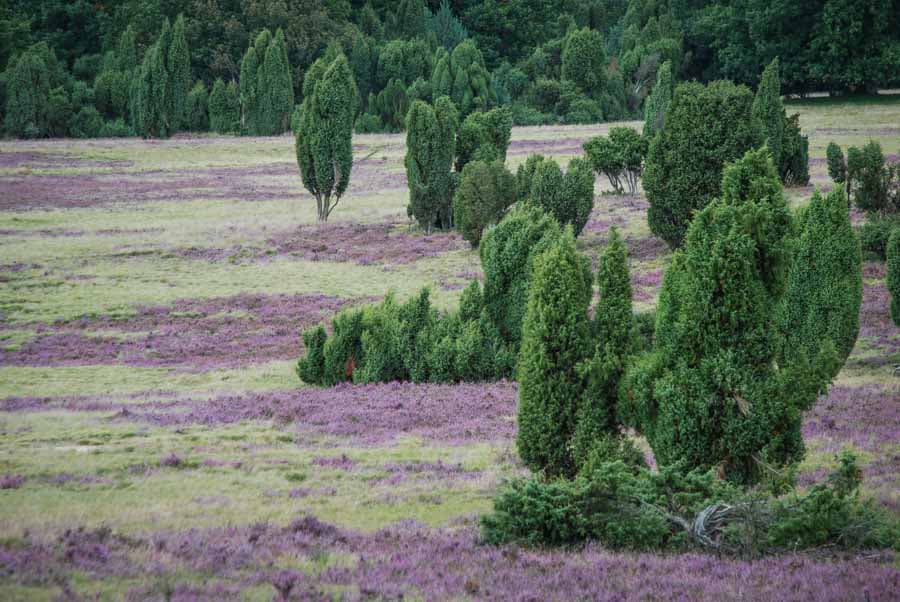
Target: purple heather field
<point>157,444</point>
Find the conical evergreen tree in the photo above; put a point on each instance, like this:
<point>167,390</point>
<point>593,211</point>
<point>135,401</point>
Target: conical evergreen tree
<point>279,86</point>
<point>179,67</point>
<point>659,100</point>
<point>769,110</point>
<point>555,340</point>
<point>249,92</point>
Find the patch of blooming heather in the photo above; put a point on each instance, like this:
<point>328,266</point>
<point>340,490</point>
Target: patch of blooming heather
<point>875,324</point>
<point>11,481</point>
<point>35,160</point>
<point>410,560</point>
<point>383,243</point>
<point>192,333</point>
<point>547,146</point>
<point>366,414</point>
<point>644,285</point>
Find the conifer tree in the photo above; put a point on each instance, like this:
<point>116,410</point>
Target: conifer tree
<point>430,147</point>
<point>657,104</point>
<point>197,119</point>
<point>769,110</point>
<point>555,340</point>
<point>178,64</point>
<point>224,108</point>
<point>324,137</point>
<point>28,91</point>
<point>279,85</point>
<point>126,51</point>
<point>893,273</point>
<point>584,61</point>
<point>463,77</point>
<point>824,290</point>
<point>249,93</point>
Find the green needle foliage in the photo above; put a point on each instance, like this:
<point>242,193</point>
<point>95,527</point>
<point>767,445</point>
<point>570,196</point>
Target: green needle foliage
<point>769,110</point>
<point>893,273</point>
<point>179,67</point>
<point>224,108</point>
<point>484,136</point>
<point>267,87</point>
<point>555,340</point>
<point>706,127</point>
<point>197,119</point>
<point>28,90</point>
<point>508,252</point>
<point>619,156</point>
<point>324,138</point>
<point>657,104</point>
<point>584,61</point>
<point>824,290</point>
<point>486,191</point>
<point>249,94</point>
<point>570,197</point>
<point>463,77</point>
<point>712,393</point>
<point>430,148</point>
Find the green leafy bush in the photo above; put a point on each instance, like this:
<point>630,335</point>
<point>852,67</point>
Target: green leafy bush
<point>224,108</point>
<point>619,156</point>
<point>874,235</point>
<point>706,128</point>
<point>584,61</point>
<point>87,123</point>
<point>485,192</point>
<point>657,104</point>
<point>197,117</point>
<point>824,290</point>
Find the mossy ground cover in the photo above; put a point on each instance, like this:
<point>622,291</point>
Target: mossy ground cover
<point>187,428</point>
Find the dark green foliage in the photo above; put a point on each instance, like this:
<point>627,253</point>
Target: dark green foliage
<point>267,87</point>
<point>463,77</point>
<point>485,192</point>
<point>584,61</point>
<point>623,506</point>
<point>178,65</point>
<point>224,108</point>
<point>409,19</point>
<point>391,105</point>
<point>869,178</point>
<point>249,92</point>
<point>27,92</point>
<point>570,197</point>
<point>408,341</point>
<point>874,235</point>
<point>116,129</point>
<point>87,123</point>
<point>824,290</point>
<point>706,127</point>
<point>597,425</point>
<point>893,273</point>
<point>484,136</point>
<point>712,394</point>
<point>769,110</point>
<point>278,90</point>
<point>446,28</point>
<point>323,142</point>
<point>657,104</point>
<point>197,118</point>
<point>508,252</point>
<point>555,340</point>
<point>794,168</point>
<point>430,147</point>
<point>525,176</point>
<point>111,93</point>
<point>837,166</point>
<point>619,156</point>
<point>363,61</point>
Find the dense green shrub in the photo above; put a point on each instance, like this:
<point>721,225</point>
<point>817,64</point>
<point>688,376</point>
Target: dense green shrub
<point>484,136</point>
<point>197,118</point>
<point>463,77</point>
<point>178,65</point>
<point>525,177</point>
<point>570,197</point>
<point>555,340</point>
<point>626,507</point>
<point>706,127</point>
<point>769,110</point>
<point>870,179</point>
<point>584,61</point>
<point>657,104</point>
<point>266,85</point>
<point>324,139</point>
<point>224,108</point>
<point>409,341</point>
<point>87,123</point>
<point>508,252</point>
<point>619,156</point>
<point>712,394</point>
<point>27,92</point>
<point>597,425</point>
<point>824,290</point>
<point>430,148</point>
<point>874,235</point>
<point>485,192</point>
<point>583,110</point>
<point>837,166</point>
<point>794,168</point>
<point>893,273</point>
<point>111,93</point>
<point>116,129</point>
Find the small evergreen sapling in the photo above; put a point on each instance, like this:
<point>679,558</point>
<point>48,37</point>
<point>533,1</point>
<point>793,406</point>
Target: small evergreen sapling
<point>893,273</point>
<point>486,191</point>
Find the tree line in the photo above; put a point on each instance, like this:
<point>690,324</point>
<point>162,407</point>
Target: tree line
<point>548,61</point>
